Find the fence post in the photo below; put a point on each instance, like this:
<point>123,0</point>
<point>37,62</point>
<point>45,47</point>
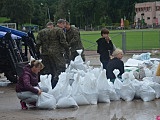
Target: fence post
<point>124,41</point>
<point>159,39</point>
<point>142,41</point>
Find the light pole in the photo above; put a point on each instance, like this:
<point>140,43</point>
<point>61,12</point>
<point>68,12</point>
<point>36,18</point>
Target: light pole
<point>48,12</point>
<point>69,16</point>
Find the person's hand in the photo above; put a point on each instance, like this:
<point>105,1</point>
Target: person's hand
<point>39,92</point>
<point>108,38</point>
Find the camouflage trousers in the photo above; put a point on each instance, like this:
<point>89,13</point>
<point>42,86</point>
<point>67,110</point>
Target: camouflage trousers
<point>54,64</point>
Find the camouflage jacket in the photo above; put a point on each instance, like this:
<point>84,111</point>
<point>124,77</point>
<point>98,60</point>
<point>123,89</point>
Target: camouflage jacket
<point>58,41</point>
<point>73,39</point>
<point>43,40</point>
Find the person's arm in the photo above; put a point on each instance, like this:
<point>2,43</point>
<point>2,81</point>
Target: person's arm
<point>38,41</point>
<point>38,44</point>
<point>110,45</point>
<point>62,37</point>
<point>97,46</point>
<point>75,38</point>
<point>27,84</point>
<point>121,68</point>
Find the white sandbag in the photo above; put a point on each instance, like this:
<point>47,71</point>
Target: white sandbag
<point>117,84</point>
<point>103,96</point>
<point>127,92</point>
<point>96,72</point>
<point>156,87</point>
<point>103,87</point>
<point>133,62</point>
<point>92,98</point>
<point>67,102</point>
<point>77,93</point>
<point>154,67</point>
<point>137,84</point>
<point>81,99</point>
<point>148,72</point>
<point>156,79</point>
<point>143,56</point>
<point>116,72</point>
<point>112,93</point>
<point>124,90</point>
<point>78,66</point>
<point>62,88</point>
<point>45,81</point>
<point>89,88</point>
<point>128,76</point>
<point>147,93</point>
<point>78,59</point>
<point>46,101</point>
<point>78,62</point>
<point>147,80</point>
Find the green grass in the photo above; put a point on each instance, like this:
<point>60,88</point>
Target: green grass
<point>3,19</point>
<point>135,39</point>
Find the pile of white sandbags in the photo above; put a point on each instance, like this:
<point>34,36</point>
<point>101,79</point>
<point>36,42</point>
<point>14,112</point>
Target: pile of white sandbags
<point>81,84</point>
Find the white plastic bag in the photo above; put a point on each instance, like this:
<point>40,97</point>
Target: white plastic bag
<point>46,101</point>
<point>127,92</point>
<point>45,81</point>
<point>103,88</point>
<point>63,88</point>
<point>77,93</point>
<point>147,93</point>
<point>67,102</point>
<point>89,88</point>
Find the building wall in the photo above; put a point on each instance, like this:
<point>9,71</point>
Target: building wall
<point>149,11</point>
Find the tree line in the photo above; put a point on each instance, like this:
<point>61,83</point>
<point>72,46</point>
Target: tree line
<point>79,12</point>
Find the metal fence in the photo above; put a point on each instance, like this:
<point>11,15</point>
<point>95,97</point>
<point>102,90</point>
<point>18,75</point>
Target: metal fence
<point>130,41</point>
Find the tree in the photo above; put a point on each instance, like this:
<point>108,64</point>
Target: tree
<point>19,11</point>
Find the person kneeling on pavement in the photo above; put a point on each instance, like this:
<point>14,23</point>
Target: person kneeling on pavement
<point>115,63</point>
<point>27,86</point>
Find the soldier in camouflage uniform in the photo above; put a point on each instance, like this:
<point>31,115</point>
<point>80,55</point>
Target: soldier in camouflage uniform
<point>62,24</point>
<point>43,43</point>
<point>74,41</point>
<point>57,46</point>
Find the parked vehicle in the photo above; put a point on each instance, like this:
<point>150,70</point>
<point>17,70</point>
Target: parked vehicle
<point>15,47</point>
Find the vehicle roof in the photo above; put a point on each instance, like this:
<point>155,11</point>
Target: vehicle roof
<point>15,34</point>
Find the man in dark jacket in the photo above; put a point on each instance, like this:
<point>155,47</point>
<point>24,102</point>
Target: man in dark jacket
<point>105,47</point>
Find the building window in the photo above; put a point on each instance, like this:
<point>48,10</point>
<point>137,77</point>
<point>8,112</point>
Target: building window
<point>157,8</point>
<point>148,18</point>
<point>149,9</point>
<point>139,9</point>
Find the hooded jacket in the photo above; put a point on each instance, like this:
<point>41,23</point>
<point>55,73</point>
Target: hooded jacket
<point>27,81</point>
<point>104,48</point>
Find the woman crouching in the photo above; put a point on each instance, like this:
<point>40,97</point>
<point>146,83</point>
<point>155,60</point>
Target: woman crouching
<point>27,86</point>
